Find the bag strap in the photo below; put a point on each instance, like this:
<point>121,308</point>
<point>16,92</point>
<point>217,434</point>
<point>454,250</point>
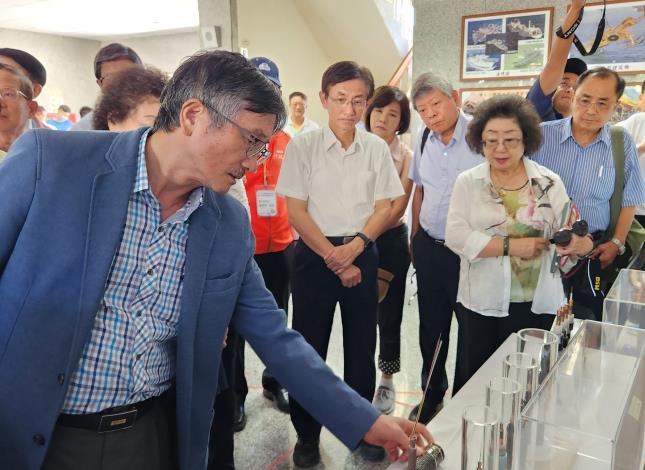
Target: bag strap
<point>424,138</point>
<point>615,203</point>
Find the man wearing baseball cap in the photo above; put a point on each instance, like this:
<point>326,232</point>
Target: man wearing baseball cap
<point>28,65</point>
<point>109,61</point>
<point>552,92</point>
<point>273,242</point>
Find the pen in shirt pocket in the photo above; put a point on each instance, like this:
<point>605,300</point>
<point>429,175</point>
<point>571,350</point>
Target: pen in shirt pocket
<point>600,171</point>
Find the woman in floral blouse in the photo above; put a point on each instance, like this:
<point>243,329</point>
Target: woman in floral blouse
<point>502,215</point>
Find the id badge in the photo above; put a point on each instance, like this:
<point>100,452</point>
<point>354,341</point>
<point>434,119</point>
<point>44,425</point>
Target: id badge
<point>266,202</point>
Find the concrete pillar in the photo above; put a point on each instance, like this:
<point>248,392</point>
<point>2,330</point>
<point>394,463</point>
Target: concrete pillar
<point>218,24</point>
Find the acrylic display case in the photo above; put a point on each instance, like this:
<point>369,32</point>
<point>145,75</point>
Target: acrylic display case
<point>625,302</point>
<point>589,414</point>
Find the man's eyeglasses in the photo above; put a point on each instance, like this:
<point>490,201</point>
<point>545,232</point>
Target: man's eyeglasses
<point>564,85</point>
<point>586,103</point>
<point>12,94</point>
<point>355,103</point>
<point>509,144</point>
<point>256,146</point>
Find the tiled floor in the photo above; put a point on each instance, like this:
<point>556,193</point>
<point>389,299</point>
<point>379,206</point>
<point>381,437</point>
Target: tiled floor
<point>268,439</point>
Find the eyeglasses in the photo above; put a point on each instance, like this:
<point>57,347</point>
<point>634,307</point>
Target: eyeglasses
<point>509,144</point>
<point>565,85</point>
<point>256,146</point>
<point>601,106</point>
<point>12,94</point>
<point>355,103</point>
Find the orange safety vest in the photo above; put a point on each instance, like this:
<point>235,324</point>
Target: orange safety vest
<point>271,233</point>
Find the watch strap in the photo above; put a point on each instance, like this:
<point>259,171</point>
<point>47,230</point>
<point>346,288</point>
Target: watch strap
<point>619,244</point>
<point>366,240</point>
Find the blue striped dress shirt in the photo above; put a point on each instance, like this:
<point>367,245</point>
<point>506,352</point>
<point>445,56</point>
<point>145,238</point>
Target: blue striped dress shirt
<point>131,352</point>
<point>436,171</point>
<point>588,172</point>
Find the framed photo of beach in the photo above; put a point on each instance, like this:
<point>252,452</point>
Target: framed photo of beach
<point>505,45</point>
<point>622,47</point>
<point>471,97</point>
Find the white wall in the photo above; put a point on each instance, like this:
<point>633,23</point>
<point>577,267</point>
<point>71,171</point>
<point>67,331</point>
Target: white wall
<point>69,65</point>
<point>281,35</point>
<point>162,51</point>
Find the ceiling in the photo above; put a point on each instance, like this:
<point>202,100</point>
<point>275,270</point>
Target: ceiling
<point>99,20</point>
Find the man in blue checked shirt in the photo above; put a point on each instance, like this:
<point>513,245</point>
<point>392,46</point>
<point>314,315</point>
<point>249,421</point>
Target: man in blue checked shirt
<point>122,263</point>
<point>579,150</point>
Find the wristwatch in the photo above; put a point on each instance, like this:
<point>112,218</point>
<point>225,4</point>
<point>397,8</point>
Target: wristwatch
<point>619,244</point>
<point>366,240</point>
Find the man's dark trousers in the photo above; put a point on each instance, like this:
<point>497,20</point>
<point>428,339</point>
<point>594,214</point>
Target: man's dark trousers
<point>437,282</point>
<point>315,292</point>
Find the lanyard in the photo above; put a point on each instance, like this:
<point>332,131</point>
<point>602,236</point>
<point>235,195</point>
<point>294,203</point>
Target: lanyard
<point>599,34</point>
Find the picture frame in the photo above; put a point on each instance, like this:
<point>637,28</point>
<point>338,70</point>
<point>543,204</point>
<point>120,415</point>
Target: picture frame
<point>505,45</point>
<point>628,103</point>
<point>471,97</point>
<point>622,47</point>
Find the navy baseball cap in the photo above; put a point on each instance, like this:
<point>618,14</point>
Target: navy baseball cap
<point>575,65</point>
<point>268,68</point>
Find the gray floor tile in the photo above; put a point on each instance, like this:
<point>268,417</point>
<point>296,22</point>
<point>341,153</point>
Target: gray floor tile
<point>267,441</point>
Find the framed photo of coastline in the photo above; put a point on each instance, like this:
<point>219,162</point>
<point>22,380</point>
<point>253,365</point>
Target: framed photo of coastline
<point>471,97</point>
<point>505,45</point>
<point>622,47</point>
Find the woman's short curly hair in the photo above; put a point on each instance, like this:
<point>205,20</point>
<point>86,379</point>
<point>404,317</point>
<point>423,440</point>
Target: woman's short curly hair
<point>506,106</point>
<point>125,92</point>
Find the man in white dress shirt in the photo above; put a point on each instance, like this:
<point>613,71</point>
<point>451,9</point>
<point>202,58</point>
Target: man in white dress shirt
<point>339,183</point>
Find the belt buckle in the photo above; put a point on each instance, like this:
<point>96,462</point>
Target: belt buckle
<point>117,421</point>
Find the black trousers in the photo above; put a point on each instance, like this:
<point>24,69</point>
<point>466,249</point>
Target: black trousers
<point>221,445</point>
<point>276,270</point>
<point>316,290</point>
<point>394,256</point>
<point>589,287</point>
<point>480,336</point>
<point>150,443</point>
<point>437,281</point>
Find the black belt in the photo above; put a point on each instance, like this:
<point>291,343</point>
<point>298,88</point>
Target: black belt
<point>437,241</point>
<point>111,419</point>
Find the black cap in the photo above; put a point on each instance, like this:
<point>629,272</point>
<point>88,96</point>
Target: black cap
<point>114,51</point>
<point>575,65</point>
<point>35,70</point>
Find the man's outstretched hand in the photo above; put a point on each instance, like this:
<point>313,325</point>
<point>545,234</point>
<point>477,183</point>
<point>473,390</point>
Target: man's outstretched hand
<point>393,434</point>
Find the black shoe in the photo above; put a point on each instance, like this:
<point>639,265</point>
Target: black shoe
<point>239,420</point>
<point>370,452</point>
<point>306,453</point>
<point>279,395</point>
<point>429,411</point>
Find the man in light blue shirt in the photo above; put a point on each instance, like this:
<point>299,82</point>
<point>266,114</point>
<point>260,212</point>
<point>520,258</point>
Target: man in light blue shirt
<point>440,154</point>
<point>579,150</point>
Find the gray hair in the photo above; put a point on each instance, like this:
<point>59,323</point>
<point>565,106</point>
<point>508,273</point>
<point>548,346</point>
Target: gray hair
<point>222,81</point>
<point>426,82</point>
<point>26,86</point>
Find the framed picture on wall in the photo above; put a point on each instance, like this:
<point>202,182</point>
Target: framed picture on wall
<point>622,47</point>
<point>471,97</point>
<point>628,103</point>
<point>505,45</point>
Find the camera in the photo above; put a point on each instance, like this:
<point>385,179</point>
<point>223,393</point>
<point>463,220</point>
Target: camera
<point>563,236</point>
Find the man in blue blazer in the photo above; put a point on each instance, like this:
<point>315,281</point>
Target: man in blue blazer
<point>122,262</point>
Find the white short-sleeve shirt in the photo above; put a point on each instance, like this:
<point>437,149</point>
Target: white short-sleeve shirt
<point>340,186</point>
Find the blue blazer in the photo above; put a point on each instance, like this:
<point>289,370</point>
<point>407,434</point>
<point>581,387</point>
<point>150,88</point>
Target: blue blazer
<point>62,212</point>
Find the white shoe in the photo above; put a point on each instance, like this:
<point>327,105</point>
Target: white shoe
<point>384,399</point>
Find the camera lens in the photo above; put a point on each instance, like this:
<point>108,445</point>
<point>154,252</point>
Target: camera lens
<point>580,228</point>
<point>562,237</point>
